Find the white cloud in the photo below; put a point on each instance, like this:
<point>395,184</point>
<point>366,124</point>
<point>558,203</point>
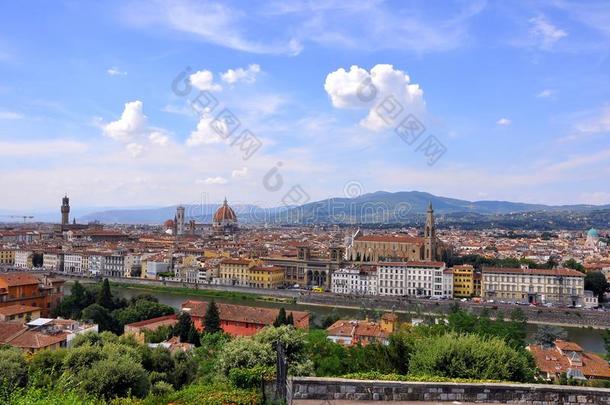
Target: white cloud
<point>239,173</point>
<point>247,75</point>
<point>159,138</point>
<point>213,22</point>
<point>546,93</point>
<point>113,71</point>
<point>358,88</point>
<point>205,134</point>
<point>204,80</point>
<point>10,115</point>
<point>596,124</point>
<point>545,33</point>
<point>131,124</point>
<point>504,122</point>
<point>134,149</point>
<point>50,148</point>
<point>215,180</point>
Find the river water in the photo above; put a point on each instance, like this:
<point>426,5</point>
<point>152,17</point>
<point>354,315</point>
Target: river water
<point>589,339</point>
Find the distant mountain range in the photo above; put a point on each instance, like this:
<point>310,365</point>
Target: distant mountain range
<point>378,207</point>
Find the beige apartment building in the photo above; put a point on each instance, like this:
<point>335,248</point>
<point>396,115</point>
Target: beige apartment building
<point>534,286</point>
<point>235,271</point>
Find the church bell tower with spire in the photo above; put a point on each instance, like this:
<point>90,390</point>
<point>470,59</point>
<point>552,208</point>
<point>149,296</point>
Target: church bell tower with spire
<point>65,210</point>
<point>430,236</point>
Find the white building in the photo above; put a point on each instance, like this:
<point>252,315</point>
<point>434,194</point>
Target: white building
<point>425,279</point>
<point>153,268</point>
<point>590,300</point>
<point>73,263</point>
<point>563,286</point>
<point>96,264</point>
<point>355,280</point>
<point>23,259</point>
<point>114,265</point>
<point>51,262</point>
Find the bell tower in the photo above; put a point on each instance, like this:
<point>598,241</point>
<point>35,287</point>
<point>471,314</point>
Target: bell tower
<point>430,236</point>
<point>65,210</point>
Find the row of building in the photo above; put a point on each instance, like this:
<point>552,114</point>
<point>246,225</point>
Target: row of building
<point>433,279</point>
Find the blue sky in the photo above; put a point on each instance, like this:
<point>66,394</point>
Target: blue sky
<point>517,94</point>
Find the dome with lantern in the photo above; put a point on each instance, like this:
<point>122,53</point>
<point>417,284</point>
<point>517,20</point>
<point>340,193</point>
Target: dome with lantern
<point>225,220</point>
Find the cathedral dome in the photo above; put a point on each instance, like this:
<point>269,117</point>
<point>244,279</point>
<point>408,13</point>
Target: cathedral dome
<point>224,213</point>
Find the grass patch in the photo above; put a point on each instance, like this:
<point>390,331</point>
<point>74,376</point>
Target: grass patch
<point>202,292</point>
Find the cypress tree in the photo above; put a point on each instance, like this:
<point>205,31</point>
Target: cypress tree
<point>281,318</point>
<point>183,327</point>
<point>290,319</point>
<point>193,336</point>
<point>211,320</point>
<point>105,296</point>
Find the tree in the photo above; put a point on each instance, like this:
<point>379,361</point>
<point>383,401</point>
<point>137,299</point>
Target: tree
<point>547,334</point>
<point>573,264</point>
<point>104,297</point>
<point>185,329</point>
<point>211,320</point>
<point>596,282</point>
<point>117,377</point>
<point>13,371</point>
<point>102,317</point>
<point>142,310</point>
<point>281,318</point>
<point>290,319</point>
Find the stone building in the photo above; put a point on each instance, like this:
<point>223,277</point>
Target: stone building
<point>379,248</point>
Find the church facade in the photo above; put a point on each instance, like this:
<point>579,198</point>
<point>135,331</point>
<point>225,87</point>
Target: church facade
<point>381,248</point>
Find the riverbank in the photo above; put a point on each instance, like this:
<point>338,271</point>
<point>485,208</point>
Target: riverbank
<point>563,317</point>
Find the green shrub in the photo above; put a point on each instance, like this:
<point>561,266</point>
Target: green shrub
<point>471,357</point>
<point>112,378</point>
<point>250,377</point>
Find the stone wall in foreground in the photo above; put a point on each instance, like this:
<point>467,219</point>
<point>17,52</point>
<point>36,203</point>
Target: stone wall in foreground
<point>530,394</point>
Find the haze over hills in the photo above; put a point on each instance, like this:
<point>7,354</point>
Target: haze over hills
<point>380,206</point>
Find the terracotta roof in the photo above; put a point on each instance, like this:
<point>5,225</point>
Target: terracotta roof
<point>17,309</point>
<point>550,360</point>
<point>235,261</point>
<point>534,272</point>
<point>154,323</point>
<point>390,238</point>
<point>240,313</point>
<point>356,329</point>
<point>19,279</point>
<point>224,213</point>
<point>20,336</point>
<point>565,345</point>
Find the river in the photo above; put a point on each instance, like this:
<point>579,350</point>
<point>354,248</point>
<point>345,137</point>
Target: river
<point>588,339</point>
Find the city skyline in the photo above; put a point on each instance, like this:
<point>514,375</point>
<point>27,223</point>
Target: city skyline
<point>516,94</point>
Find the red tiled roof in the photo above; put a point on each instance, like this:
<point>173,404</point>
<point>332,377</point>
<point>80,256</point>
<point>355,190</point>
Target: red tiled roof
<point>550,360</point>
<point>535,272</point>
<point>17,309</point>
<point>241,313</point>
<point>19,279</point>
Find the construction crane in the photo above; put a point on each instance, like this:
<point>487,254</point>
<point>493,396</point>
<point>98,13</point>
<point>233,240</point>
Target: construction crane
<point>24,217</point>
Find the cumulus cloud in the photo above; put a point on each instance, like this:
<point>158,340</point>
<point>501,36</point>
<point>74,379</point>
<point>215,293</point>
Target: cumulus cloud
<point>159,138</point>
<point>134,149</point>
<point>113,71</point>
<point>205,134</point>
<point>359,88</point>
<point>545,33</point>
<point>247,75</point>
<point>131,124</point>
<point>215,180</point>
<point>504,122</point>
<point>204,80</point>
<point>239,173</point>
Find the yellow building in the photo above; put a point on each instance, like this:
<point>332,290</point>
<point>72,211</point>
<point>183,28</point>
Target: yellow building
<point>265,277</point>
<point>7,257</point>
<point>235,271</point>
<point>463,281</point>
